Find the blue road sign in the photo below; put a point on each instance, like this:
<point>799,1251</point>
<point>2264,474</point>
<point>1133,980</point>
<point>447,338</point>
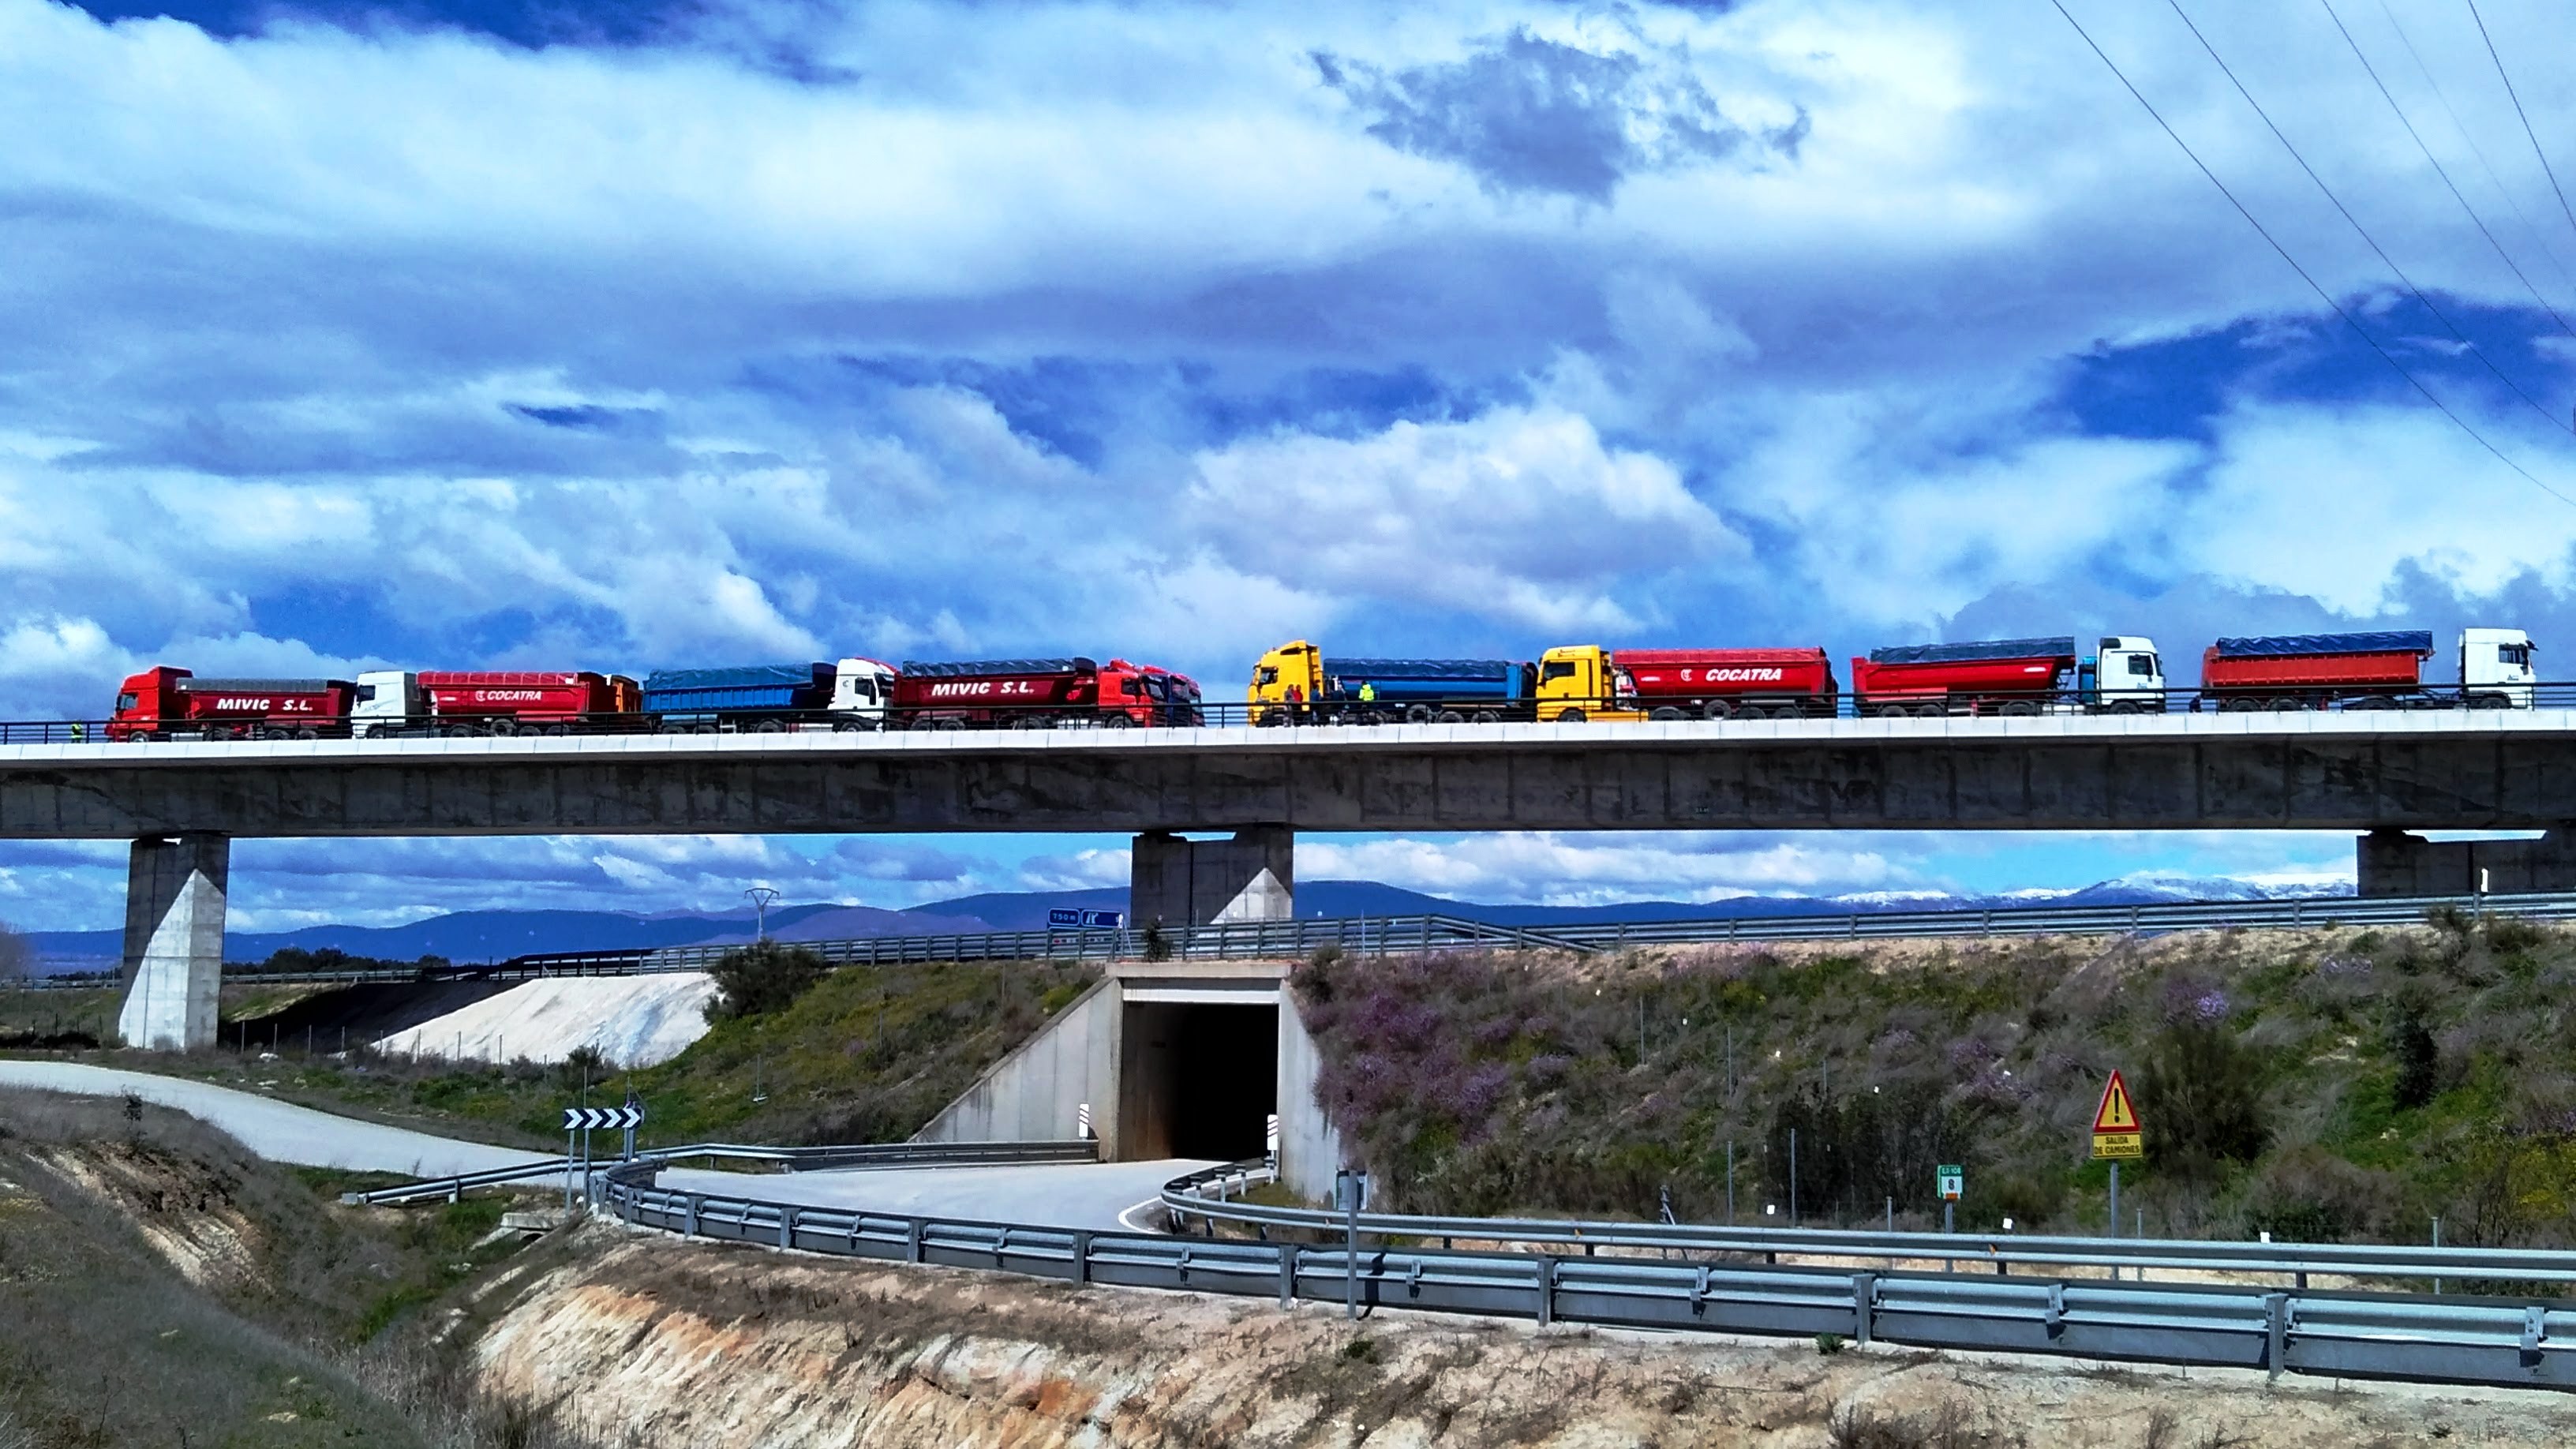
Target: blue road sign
<point>1081,920</point>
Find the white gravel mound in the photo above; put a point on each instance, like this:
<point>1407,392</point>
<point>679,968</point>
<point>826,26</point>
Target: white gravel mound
<point>634,1021</point>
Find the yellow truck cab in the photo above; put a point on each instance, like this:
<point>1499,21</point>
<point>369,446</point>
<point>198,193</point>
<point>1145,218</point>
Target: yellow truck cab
<point>1284,681</point>
<point>1578,682</point>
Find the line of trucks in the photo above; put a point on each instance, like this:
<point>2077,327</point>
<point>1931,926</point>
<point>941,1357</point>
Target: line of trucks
<point>1297,683</point>
<point>850,694</point>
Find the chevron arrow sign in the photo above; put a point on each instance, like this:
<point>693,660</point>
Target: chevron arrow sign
<point>584,1119</point>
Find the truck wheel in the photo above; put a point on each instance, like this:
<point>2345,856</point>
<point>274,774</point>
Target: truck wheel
<point>1664,713</point>
<point>2020,707</point>
<point>2284,704</point>
<point>2239,704</point>
<point>1889,711</point>
<point>2490,701</point>
<point>1451,716</point>
<point>1418,714</point>
<point>1717,709</point>
<point>1572,716</point>
<point>1117,722</point>
<point>1487,716</point>
<point>308,733</point>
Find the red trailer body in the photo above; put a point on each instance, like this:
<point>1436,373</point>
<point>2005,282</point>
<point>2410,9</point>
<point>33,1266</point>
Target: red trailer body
<point>1664,676</point>
<point>163,700</point>
<point>2312,671</point>
<point>527,697</point>
<point>2006,676</point>
<point>1026,693</point>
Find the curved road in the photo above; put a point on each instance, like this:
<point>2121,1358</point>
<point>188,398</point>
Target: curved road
<point>1090,1195</point>
<point>279,1131</point>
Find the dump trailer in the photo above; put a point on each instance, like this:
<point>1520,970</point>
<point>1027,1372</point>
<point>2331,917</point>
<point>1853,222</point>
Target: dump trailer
<point>2373,669</point>
<point>1297,682</point>
<point>494,702</point>
<point>1587,682</point>
<point>2012,677</point>
<point>1073,692</point>
<point>168,703</point>
<point>770,698</point>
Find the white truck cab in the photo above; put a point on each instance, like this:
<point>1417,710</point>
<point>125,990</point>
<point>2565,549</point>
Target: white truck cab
<point>2496,671</point>
<point>387,700</point>
<point>2128,676</point>
<point>861,691</point>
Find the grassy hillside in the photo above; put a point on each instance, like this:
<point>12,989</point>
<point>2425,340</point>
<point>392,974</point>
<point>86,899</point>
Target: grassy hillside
<point>866,1056</point>
<point>160,1286</point>
<point>2316,1084</point>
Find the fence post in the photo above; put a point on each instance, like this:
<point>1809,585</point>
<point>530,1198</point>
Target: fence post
<point>1082,1257</point>
<point>689,1217</point>
<point>1864,1305</point>
<point>1546,1290</point>
<point>1287,1274</point>
<point>2276,1308</point>
<point>912,1240</point>
<point>787,1227</point>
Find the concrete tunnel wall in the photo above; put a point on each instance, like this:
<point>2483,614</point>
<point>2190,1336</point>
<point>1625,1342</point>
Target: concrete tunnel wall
<point>1036,1093</point>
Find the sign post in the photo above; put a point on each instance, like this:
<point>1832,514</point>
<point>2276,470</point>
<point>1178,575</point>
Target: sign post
<point>1951,1180</point>
<point>2117,1135</point>
<point>580,1122</point>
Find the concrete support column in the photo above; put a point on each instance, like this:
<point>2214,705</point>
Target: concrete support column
<point>1252,877</point>
<point>2397,863</point>
<point>174,941</point>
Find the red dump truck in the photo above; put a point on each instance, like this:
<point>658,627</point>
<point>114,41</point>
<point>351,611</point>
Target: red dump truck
<point>1031,694</point>
<point>2012,677</point>
<point>166,703</point>
<point>522,701</point>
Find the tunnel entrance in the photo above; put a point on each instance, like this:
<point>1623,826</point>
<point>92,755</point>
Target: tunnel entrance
<point>1197,1078</point>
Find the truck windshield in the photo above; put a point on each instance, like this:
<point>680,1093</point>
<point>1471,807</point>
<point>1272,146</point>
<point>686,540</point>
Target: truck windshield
<point>864,688</point>
<point>1266,674</point>
<point>2142,665</point>
<point>127,701</point>
<point>1556,669</point>
<point>2513,654</point>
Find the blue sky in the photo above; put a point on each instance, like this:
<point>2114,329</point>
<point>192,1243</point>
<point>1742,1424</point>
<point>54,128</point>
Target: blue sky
<point>339,335</point>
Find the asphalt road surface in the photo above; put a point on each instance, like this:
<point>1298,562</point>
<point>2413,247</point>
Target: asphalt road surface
<point>1085,1195</point>
<point>1090,1195</point>
<point>278,1131</point>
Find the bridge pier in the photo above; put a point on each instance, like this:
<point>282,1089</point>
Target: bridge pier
<point>1252,877</point>
<point>2399,863</point>
<point>174,941</point>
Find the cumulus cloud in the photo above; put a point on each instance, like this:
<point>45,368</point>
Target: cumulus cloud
<point>1520,514</point>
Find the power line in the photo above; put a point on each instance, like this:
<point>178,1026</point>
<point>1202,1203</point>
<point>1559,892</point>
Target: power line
<point>2563,207</point>
<point>2475,149</point>
<point>2440,171</point>
<point>2562,424</point>
<point>2322,294</point>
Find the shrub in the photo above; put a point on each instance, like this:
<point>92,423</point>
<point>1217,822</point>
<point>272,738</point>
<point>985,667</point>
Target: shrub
<point>2308,1195</point>
<point>2201,1099</point>
<point>2418,1060</point>
<point>762,978</point>
<point>1158,947</point>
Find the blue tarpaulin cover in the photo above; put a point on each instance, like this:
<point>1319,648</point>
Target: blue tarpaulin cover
<point>1420,668</point>
<point>2062,648</point>
<point>979,668</point>
<point>2291,646</point>
<point>739,676</point>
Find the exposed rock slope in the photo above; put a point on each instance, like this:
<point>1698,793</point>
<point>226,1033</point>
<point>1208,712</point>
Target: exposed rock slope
<point>694,1343</point>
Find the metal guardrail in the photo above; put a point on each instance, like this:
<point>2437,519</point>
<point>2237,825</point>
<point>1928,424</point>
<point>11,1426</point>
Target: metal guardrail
<point>1188,1199</point>
<point>1392,935</point>
<point>828,1158</point>
<point>2350,1334</point>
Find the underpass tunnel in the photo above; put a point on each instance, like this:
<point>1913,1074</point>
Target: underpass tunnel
<point>1198,1078</point>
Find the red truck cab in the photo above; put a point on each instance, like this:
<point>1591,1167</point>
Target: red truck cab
<point>162,701</point>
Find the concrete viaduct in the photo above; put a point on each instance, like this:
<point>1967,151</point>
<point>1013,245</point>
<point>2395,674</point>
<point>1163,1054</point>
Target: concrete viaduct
<point>2379,774</point>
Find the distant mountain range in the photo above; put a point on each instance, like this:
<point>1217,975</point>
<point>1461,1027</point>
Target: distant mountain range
<point>466,936</point>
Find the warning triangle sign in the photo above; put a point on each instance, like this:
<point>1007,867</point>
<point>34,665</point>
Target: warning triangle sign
<point>2115,1114</point>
